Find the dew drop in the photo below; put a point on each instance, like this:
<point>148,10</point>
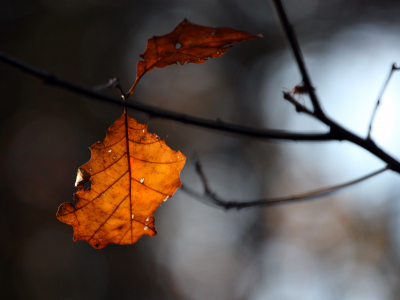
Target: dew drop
<point>114,157</point>
<point>212,33</point>
<point>145,228</point>
<point>147,219</point>
<point>198,59</point>
<point>143,130</point>
<point>142,180</point>
<point>217,52</point>
<point>166,198</point>
<point>109,151</point>
<point>133,216</point>
<point>103,194</point>
<point>170,160</point>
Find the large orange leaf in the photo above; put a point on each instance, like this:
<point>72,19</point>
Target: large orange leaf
<point>132,173</point>
<point>190,43</point>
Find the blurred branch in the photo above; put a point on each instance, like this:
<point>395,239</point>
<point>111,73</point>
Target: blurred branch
<point>394,68</point>
<point>267,134</point>
<point>212,197</point>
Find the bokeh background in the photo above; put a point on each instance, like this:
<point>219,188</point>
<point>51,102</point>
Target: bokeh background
<point>345,246</point>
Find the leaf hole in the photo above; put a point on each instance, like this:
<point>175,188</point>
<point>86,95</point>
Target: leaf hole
<point>178,46</point>
<point>87,185</point>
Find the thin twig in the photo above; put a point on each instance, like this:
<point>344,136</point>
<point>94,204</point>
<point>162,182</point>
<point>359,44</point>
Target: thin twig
<point>298,56</point>
<point>266,134</point>
<point>199,170</point>
<point>112,83</point>
<point>378,102</point>
<point>212,198</point>
<point>299,107</point>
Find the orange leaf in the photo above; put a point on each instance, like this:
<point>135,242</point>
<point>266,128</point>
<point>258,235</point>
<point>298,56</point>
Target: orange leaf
<point>132,173</point>
<point>190,43</point>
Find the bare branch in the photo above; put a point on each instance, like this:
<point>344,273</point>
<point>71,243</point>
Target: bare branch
<point>211,198</point>
<point>342,134</point>
<point>337,132</point>
<point>199,170</point>
<point>298,56</point>
<point>299,107</point>
<point>266,134</point>
<point>394,68</point>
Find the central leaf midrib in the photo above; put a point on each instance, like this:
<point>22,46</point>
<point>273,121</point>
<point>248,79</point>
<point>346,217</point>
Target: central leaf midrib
<point>129,168</point>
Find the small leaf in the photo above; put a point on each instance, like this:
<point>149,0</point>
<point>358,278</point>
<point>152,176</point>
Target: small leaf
<point>189,43</point>
<point>132,173</point>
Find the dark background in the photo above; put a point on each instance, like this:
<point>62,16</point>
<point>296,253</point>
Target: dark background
<point>344,246</point>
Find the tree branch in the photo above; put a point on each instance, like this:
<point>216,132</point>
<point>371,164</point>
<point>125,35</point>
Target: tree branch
<point>394,68</point>
<point>266,134</point>
<point>335,129</point>
<point>337,132</point>
<point>343,134</point>
<point>212,198</point>
<point>298,56</point>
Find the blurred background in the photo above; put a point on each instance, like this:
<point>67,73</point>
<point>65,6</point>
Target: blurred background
<point>345,246</point>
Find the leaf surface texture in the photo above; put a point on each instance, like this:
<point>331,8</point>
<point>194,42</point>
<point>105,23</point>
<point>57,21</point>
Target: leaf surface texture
<point>189,43</point>
<point>132,172</point>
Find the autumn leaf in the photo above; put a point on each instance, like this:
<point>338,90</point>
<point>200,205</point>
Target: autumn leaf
<point>190,43</point>
<point>132,172</point>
